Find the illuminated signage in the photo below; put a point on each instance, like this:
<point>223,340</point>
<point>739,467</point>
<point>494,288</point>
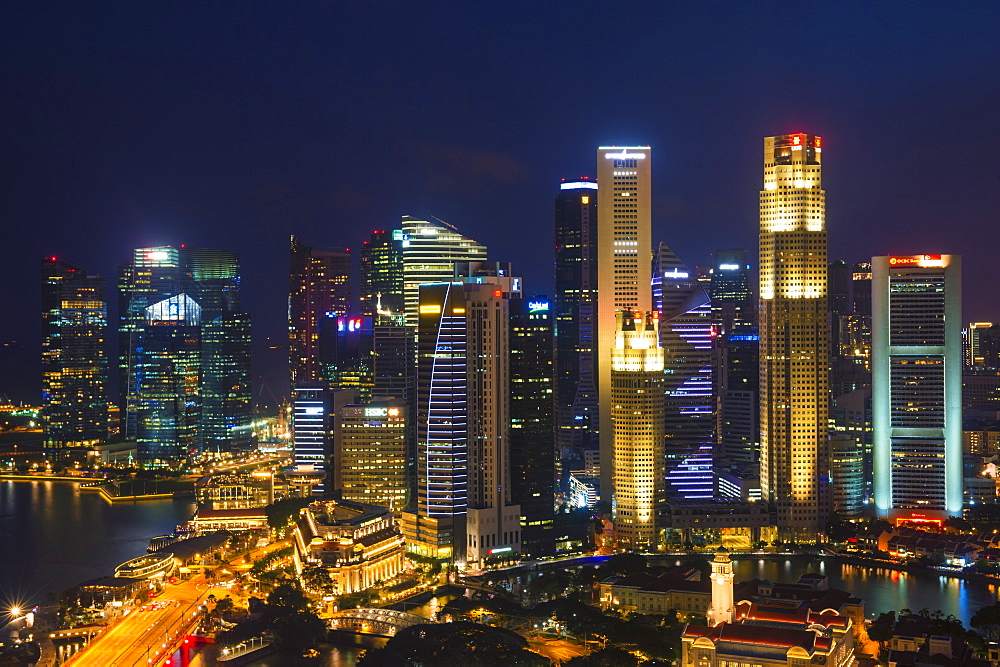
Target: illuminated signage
<point>430,309</point>
<point>537,306</point>
<point>350,324</point>
<point>398,235</point>
<point>497,293</point>
<point>729,267</point>
<point>376,412</point>
<point>157,255</point>
<point>923,261</point>
<point>393,412</point>
<point>624,156</point>
<point>578,185</point>
<point>313,411</point>
<point>500,550</point>
<point>428,231</point>
<point>674,273</point>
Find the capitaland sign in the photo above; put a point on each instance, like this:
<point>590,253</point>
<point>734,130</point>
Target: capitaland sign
<point>537,306</point>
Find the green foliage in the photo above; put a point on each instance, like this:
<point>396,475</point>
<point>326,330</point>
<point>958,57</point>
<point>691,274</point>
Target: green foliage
<point>626,563</point>
<point>987,620</point>
<point>881,628</point>
<point>299,629</point>
<point>265,563</point>
<point>612,656</point>
<point>281,513</point>
<point>458,644</point>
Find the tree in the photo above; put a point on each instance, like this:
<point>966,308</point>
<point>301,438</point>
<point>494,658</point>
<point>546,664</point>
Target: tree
<point>298,629</point>
<point>626,563</point>
<point>457,644</point>
<point>612,656</point>
<point>987,620</point>
<point>280,514</point>
<point>881,628</point>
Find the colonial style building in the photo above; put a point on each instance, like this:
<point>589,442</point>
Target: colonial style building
<point>359,545</point>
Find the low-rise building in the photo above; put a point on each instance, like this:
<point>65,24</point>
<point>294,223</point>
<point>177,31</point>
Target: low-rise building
<point>360,545</point>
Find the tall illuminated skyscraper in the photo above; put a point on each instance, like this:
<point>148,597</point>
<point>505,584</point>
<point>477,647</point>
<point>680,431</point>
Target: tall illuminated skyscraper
<point>623,268</point>
<point>185,352</point>
<point>794,345</point>
<point>575,312</point>
<point>382,272</point>
<point>464,507</point>
<point>431,248</point>
<point>74,355</point>
<point>319,286</point>
<point>917,386</point>
<point>637,405</point>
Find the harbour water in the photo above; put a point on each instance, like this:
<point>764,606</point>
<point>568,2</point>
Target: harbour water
<point>53,537</point>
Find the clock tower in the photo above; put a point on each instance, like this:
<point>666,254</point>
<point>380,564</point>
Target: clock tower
<point>721,609</point>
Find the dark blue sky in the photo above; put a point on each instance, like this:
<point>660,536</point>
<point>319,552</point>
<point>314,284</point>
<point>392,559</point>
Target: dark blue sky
<point>235,124</point>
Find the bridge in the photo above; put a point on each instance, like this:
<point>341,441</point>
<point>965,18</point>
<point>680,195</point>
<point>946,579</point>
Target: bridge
<point>385,622</point>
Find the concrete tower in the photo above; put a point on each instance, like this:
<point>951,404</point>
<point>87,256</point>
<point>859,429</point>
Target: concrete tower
<point>917,387</point>
<point>794,341</point>
<point>721,610</point>
<point>623,268</point>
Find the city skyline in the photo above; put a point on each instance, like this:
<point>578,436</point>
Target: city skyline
<point>263,145</point>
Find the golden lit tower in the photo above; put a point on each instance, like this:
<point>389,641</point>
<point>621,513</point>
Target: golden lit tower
<point>637,425</point>
<point>793,335</point>
<point>624,265</point>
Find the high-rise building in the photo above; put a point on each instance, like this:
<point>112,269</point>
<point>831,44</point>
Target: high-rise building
<point>978,345</point>
<point>532,422</point>
<point>430,251</point>
<point>794,340</point>
<point>374,462</point>
<point>346,349</point>
<point>737,346</point>
<point>463,462</point>
<point>319,285</point>
<point>687,332</point>
<point>637,406</point>
<point>185,352</point>
<point>311,425</point>
<point>917,386</point>
<point>847,487</point>
<point>838,300</point>
<point>575,312</point>
<point>382,272</point>
<point>623,267</point>
<point>74,356</point>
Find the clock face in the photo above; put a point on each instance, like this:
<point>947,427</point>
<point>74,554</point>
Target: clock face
<point>720,581</point>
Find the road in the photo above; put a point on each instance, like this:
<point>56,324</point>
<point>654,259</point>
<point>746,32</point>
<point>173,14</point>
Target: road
<point>152,630</point>
<point>144,635</point>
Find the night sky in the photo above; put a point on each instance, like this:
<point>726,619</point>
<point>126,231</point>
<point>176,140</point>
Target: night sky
<point>235,124</point>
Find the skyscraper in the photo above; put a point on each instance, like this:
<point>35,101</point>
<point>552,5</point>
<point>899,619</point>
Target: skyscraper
<point>185,352</point>
<point>74,356</point>
<point>532,421</point>
<point>374,462</point>
<point>917,386</point>
<point>574,312</point>
<point>794,345</point>
<point>623,268</point>
<point>319,285</point>
<point>737,345</point>
<point>430,251</point>
<point>637,406</point>
<point>382,272</point>
<point>464,485</point>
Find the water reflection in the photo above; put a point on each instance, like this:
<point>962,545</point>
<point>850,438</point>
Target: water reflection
<point>55,537</point>
<point>882,589</point>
